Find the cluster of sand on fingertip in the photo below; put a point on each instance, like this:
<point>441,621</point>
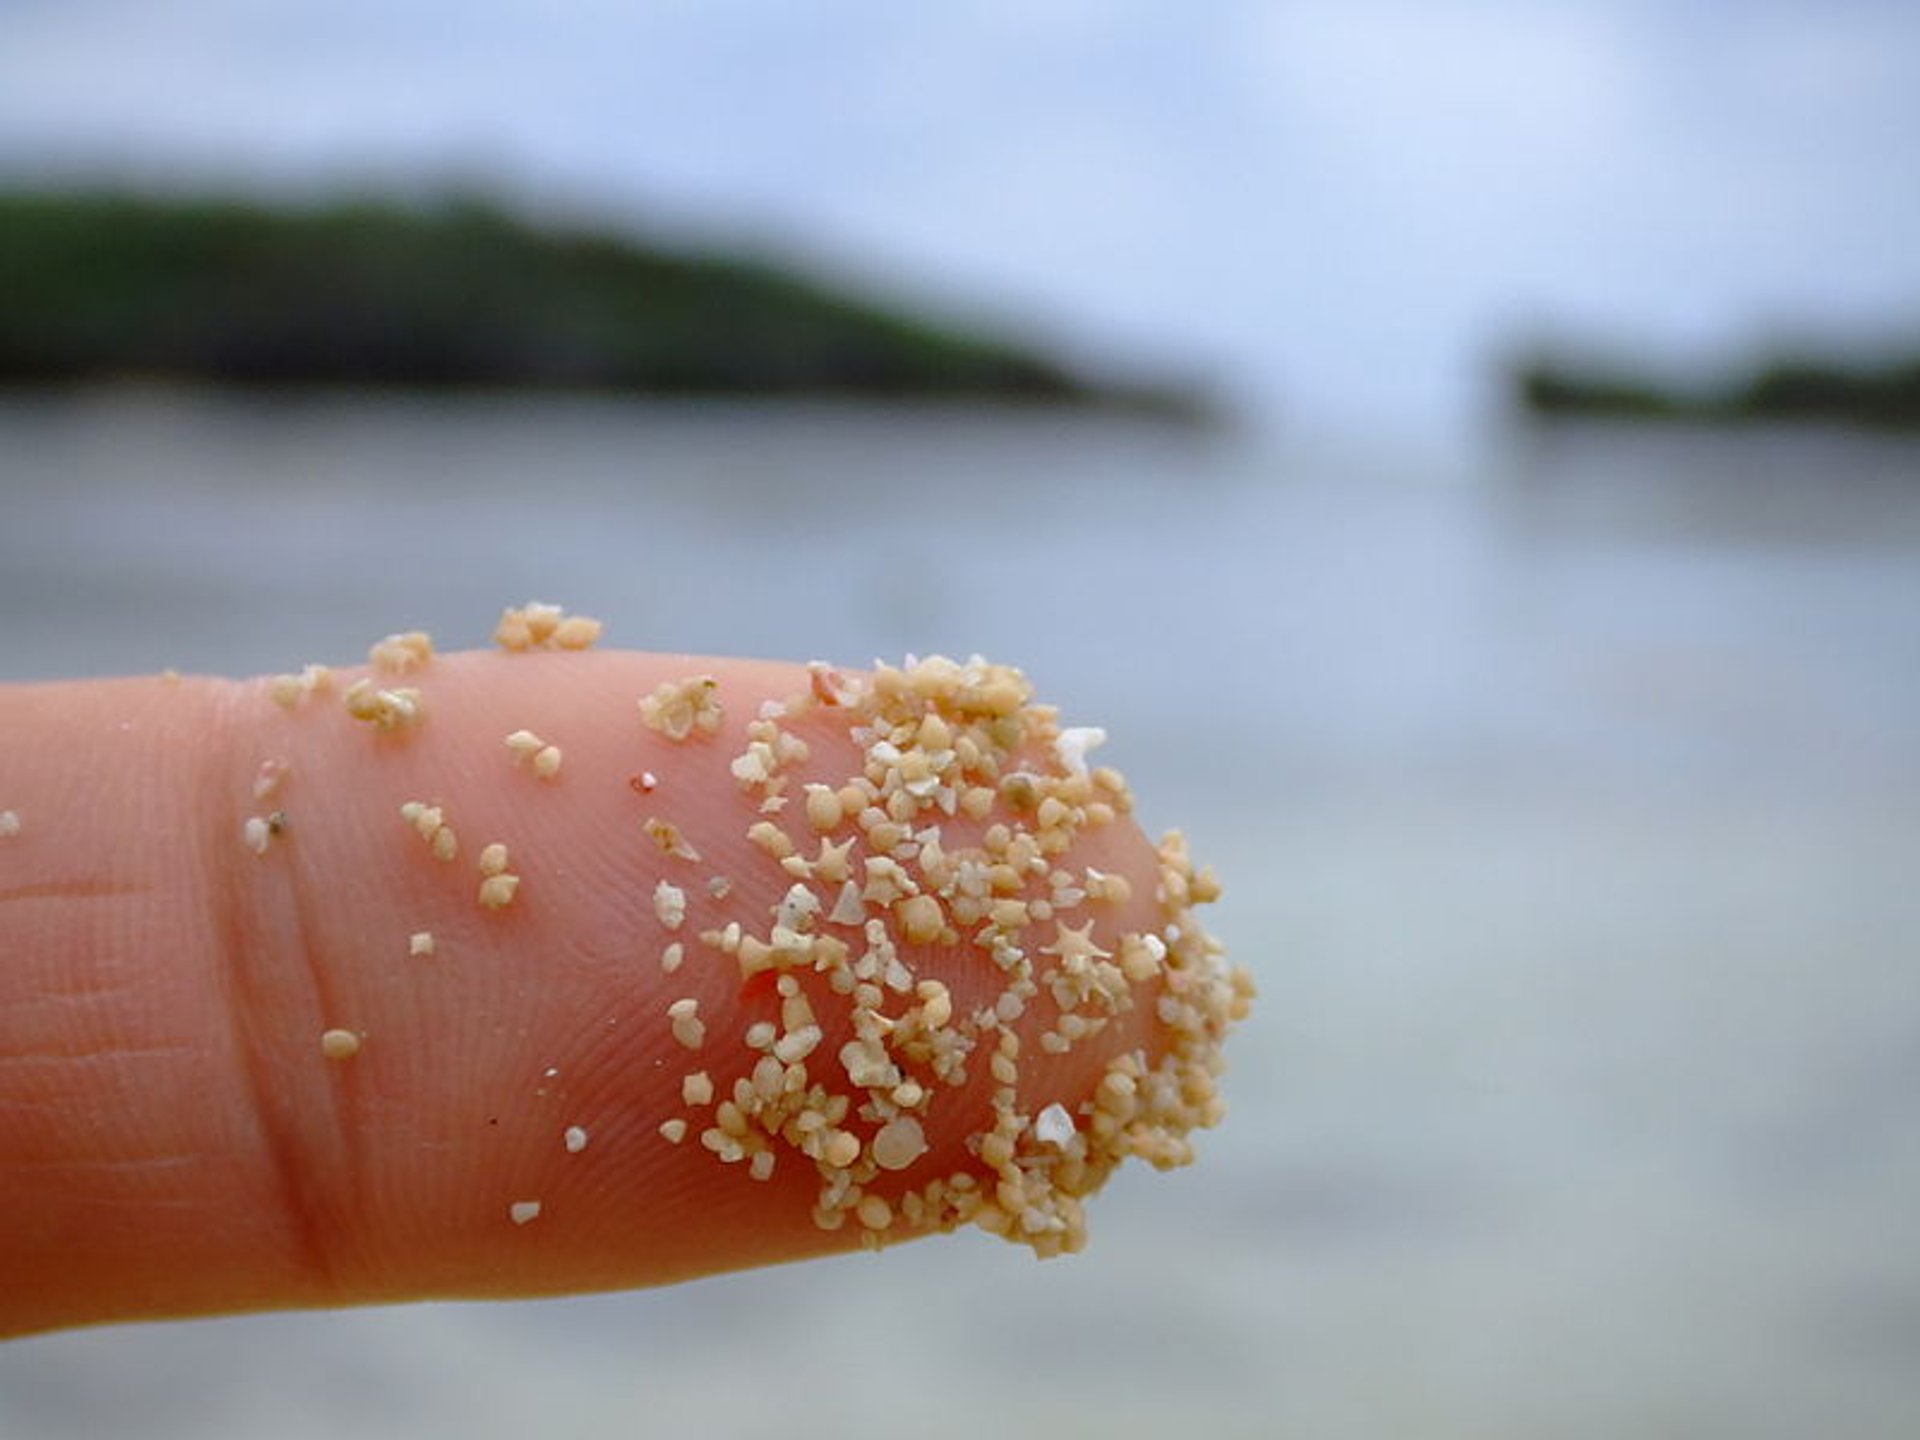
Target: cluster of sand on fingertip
<point>956,833</point>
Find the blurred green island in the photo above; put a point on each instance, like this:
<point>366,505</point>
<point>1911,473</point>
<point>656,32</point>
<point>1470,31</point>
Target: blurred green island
<point>458,294</point>
<point>1883,394</point>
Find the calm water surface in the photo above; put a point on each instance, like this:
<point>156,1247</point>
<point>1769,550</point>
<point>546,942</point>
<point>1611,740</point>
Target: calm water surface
<point>1568,797</point>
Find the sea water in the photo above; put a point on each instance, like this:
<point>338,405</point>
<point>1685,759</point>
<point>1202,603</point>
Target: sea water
<point>1567,795</point>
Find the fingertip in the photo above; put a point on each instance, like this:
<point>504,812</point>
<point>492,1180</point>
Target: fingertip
<point>890,919</point>
<point>941,925</point>
<point>663,965</point>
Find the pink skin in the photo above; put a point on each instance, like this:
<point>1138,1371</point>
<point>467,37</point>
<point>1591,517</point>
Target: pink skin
<point>173,1142</point>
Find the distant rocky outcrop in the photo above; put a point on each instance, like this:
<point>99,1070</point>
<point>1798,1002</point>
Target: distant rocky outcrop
<point>457,294</point>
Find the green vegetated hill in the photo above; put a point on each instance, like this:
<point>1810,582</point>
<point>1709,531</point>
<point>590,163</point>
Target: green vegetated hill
<point>456,294</point>
<point>1791,388</point>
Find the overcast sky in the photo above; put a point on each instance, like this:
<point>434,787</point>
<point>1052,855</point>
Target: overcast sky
<point>1344,209</point>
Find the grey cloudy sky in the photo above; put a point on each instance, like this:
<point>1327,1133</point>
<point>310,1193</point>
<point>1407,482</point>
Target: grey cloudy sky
<point>1344,208</point>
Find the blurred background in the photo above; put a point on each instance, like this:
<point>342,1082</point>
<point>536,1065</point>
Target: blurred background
<point>1465,453</point>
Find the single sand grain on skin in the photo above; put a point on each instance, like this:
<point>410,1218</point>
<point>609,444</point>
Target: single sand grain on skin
<point>339,1044</point>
